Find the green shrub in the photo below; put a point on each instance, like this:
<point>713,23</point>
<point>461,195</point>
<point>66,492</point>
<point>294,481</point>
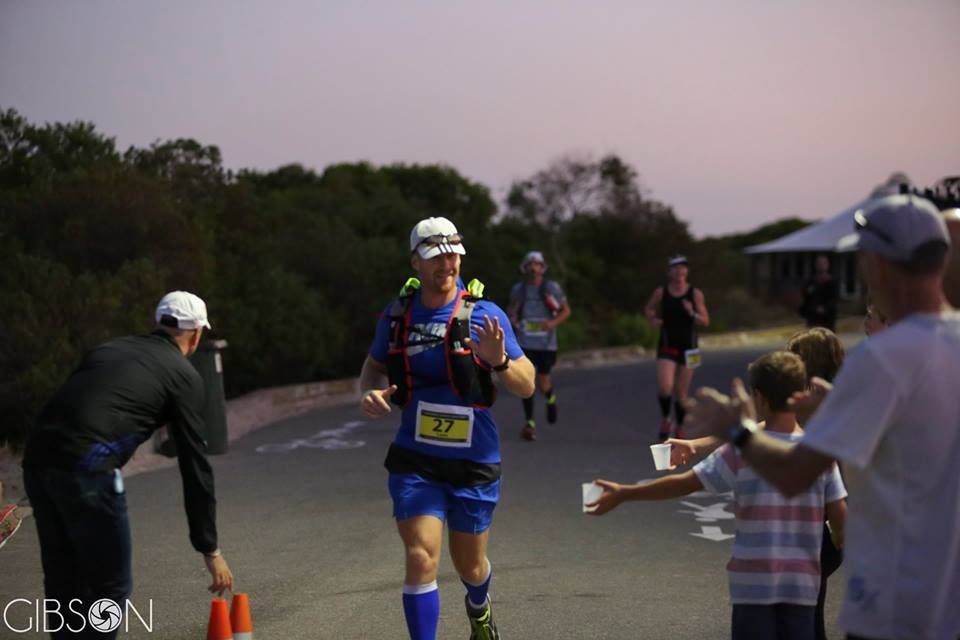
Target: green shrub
<point>631,329</point>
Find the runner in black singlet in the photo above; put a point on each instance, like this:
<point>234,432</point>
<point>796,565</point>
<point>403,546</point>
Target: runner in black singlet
<point>676,308</point>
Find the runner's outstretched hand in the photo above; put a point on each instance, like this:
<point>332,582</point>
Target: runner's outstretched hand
<point>489,345</point>
<point>376,402</point>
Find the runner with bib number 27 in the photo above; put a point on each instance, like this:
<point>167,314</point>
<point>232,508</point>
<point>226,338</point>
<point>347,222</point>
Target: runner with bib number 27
<point>677,309</point>
<point>440,354</point>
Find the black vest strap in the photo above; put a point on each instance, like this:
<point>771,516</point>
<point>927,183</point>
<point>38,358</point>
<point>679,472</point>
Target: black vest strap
<point>470,379</point>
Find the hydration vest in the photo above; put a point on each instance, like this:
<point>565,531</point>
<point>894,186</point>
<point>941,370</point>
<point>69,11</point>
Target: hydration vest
<point>553,307</point>
<point>470,379</point>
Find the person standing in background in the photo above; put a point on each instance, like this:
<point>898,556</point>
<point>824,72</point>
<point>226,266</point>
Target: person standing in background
<point>820,295</point>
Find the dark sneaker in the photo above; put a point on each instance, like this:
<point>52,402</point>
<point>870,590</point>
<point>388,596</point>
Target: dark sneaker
<point>482,626</point>
<point>552,409</point>
<point>529,431</point>
<point>9,523</point>
<point>665,428</point>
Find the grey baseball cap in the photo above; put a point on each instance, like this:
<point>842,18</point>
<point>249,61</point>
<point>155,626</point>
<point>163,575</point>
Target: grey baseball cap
<point>895,226</point>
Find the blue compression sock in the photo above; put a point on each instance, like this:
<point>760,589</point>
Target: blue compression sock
<point>421,607</point>
<point>477,593</point>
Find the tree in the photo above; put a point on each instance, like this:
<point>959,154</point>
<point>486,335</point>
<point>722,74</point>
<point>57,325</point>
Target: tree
<point>577,185</point>
<point>37,157</point>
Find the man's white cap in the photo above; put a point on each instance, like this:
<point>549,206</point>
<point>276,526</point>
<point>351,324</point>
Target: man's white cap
<point>533,256</point>
<point>182,310</point>
<point>896,226</point>
<point>432,237</point>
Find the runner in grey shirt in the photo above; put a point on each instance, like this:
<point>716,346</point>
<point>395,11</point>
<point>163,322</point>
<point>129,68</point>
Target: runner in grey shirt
<point>537,307</point>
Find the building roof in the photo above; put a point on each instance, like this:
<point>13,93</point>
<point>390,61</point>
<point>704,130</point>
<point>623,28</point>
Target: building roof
<point>823,236</point>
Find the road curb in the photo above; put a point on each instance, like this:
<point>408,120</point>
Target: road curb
<point>264,407</point>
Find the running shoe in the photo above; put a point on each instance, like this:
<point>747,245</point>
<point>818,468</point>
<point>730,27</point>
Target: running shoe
<point>9,523</point>
<point>665,428</point>
<point>552,409</point>
<point>529,431</point>
<point>482,626</point>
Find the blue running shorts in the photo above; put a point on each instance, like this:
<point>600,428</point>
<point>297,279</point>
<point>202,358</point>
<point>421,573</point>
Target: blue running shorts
<point>464,509</point>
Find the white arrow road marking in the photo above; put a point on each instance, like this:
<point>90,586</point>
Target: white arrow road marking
<point>330,439</point>
<point>715,534</point>
<point>710,513</point>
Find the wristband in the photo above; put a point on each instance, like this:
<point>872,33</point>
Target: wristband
<point>741,433</point>
<point>213,554</point>
<point>504,366</point>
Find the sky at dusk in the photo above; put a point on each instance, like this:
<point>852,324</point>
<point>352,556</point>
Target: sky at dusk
<point>735,113</point>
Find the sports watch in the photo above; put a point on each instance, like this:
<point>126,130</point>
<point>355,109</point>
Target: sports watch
<point>741,432</point>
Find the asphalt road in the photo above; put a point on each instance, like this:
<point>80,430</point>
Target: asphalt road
<point>305,524</point>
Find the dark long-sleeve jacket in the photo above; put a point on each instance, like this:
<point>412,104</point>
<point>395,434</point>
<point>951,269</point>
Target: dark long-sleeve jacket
<point>819,306</point>
<point>121,393</point>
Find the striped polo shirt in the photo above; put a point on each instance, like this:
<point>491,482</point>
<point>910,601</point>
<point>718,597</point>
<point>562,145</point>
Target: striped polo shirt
<point>776,550</point>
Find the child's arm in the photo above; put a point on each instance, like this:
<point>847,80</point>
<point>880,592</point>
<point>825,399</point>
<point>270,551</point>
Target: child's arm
<point>837,517</point>
<point>674,486</point>
<point>684,451</point>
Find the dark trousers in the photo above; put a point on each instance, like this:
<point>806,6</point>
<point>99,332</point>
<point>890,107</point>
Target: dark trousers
<point>84,543</point>
<point>772,622</point>
<point>830,560</point>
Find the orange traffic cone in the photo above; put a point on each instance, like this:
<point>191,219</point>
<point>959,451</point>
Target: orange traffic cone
<point>240,617</point>
<point>219,625</point>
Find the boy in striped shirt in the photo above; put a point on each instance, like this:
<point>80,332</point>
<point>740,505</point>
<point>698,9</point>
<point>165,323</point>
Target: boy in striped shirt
<point>774,568</point>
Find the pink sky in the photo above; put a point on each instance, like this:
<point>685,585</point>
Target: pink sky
<point>735,113</point>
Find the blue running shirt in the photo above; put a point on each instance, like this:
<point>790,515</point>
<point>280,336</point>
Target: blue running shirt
<point>431,385</point>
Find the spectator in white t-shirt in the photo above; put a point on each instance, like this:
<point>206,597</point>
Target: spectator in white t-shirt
<point>893,419</point>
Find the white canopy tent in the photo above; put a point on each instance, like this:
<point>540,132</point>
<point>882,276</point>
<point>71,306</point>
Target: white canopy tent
<point>780,267</point>
<point>822,237</point>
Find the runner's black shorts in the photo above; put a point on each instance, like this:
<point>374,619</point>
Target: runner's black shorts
<point>543,360</point>
<point>674,345</point>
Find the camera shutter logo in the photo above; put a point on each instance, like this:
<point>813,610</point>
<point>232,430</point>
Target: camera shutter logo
<point>105,615</point>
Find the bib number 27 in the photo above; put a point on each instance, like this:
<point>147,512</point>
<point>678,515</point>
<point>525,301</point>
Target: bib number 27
<point>444,425</point>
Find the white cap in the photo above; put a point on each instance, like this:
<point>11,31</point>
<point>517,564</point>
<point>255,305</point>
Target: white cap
<point>532,256</point>
<point>434,236</point>
<point>896,226</point>
<point>182,310</point>
<point>677,259</point>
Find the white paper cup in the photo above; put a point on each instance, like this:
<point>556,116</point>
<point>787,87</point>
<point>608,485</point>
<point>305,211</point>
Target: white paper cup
<point>591,492</point>
<point>661,456</point>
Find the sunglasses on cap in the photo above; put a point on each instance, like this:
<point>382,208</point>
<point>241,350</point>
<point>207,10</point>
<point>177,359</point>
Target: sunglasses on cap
<point>861,223</point>
<point>438,240</point>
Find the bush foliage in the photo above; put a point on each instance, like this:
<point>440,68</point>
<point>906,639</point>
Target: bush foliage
<point>296,265</point>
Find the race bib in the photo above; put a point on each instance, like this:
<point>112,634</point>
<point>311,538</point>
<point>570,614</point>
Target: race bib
<point>444,425</point>
<point>692,358</point>
<point>535,327</point>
